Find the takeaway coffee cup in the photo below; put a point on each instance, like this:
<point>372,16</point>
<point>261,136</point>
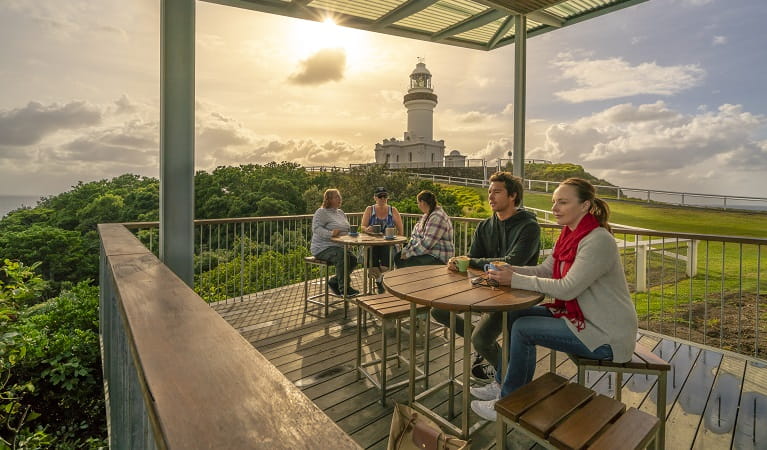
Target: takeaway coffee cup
<point>462,263</point>
<point>495,265</point>
<point>391,232</point>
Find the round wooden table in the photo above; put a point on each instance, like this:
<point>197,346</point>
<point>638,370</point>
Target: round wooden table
<point>367,241</point>
<point>440,287</point>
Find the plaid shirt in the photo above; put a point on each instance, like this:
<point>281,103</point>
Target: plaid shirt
<point>432,237</point>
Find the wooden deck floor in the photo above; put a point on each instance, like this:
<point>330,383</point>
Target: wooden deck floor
<point>716,399</point>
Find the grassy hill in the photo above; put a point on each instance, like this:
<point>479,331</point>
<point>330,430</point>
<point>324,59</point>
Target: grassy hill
<point>654,215</point>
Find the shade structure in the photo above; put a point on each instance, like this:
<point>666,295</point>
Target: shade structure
<point>476,24</point>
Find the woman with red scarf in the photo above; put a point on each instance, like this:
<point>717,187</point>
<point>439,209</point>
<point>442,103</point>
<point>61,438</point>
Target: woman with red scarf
<point>592,315</point>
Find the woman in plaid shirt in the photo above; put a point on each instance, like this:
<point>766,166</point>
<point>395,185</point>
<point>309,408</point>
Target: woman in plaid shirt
<point>432,239</point>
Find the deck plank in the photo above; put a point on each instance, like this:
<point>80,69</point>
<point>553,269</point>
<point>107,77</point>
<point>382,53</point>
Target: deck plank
<point>705,404</point>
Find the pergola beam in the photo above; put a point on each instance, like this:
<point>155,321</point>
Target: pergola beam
<point>402,11</point>
<point>470,23</point>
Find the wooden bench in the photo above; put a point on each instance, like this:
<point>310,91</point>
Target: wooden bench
<point>558,414</point>
<point>388,309</point>
<point>642,362</point>
<point>324,293</point>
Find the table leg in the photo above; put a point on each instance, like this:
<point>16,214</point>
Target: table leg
<point>346,282</point>
<point>451,368</point>
<point>413,318</point>
<point>365,262</point>
<point>502,428</point>
<point>466,373</point>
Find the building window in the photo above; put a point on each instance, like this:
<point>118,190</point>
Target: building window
<point>397,158</point>
<point>432,157</point>
<point>410,157</point>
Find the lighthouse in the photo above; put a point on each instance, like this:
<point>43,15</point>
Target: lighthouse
<point>420,102</point>
<point>418,147</point>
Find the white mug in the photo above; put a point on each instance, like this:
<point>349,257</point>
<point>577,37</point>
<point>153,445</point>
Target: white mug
<point>391,232</point>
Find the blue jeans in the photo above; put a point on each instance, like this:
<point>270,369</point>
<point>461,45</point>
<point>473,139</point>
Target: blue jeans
<point>536,326</point>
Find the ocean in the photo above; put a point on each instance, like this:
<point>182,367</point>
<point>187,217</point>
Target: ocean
<point>10,202</point>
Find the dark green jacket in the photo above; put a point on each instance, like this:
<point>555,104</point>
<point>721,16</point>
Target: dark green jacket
<point>515,240</point>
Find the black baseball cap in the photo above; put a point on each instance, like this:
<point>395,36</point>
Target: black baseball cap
<point>380,190</point>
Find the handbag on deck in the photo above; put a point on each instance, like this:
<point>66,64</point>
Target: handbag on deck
<point>411,430</point>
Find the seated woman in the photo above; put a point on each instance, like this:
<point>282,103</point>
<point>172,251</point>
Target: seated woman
<point>328,222</point>
<point>593,315</point>
<point>432,239</point>
<point>385,216</point>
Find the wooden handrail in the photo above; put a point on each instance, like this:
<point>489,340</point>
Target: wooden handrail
<point>202,384</point>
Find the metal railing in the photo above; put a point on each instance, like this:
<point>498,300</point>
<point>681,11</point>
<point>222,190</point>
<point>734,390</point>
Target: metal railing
<point>707,289</point>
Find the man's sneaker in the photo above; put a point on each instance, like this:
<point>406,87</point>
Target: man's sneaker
<point>483,371</point>
<point>380,286</point>
<point>490,391</point>
<point>333,285</point>
<point>350,291</point>
<point>476,359</point>
<point>485,409</point>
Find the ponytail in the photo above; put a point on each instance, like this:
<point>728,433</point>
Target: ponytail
<point>601,212</point>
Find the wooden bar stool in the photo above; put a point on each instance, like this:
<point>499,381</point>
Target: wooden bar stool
<point>324,294</point>
<point>388,309</point>
<point>642,362</point>
<point>558,414</point>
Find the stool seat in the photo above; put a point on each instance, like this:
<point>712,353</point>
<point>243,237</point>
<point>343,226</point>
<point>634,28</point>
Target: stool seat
<point>563,415</point>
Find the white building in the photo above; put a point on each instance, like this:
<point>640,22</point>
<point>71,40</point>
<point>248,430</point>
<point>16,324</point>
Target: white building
<point>418,147</point>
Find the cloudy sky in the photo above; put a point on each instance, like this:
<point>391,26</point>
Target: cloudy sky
<point>668,94</point>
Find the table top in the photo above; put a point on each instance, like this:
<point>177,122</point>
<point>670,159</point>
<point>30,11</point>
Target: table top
<point>439,287</point>
<point>372,240</point>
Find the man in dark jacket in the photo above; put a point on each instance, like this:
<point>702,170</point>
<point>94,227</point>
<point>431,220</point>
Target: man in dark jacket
<point>512,235</point>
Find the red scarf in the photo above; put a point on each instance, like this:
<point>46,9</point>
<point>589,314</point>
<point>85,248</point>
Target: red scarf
<point>564,255</point>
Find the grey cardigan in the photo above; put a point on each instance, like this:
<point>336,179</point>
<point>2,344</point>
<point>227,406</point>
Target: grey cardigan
<point>326,220</point>
<point>597,280</point>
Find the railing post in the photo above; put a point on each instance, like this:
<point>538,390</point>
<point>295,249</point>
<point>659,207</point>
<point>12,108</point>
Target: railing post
<point>692,258</point>
<point>642,249</point>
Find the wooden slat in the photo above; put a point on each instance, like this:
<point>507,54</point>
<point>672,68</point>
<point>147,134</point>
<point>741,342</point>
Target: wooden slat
<point>633,430</point>
<point>541,418</point>
<point>582,426</point>
<point>527,396</point>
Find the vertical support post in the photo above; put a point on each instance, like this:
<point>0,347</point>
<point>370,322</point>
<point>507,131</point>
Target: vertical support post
<point>520,85</point>
<point>642,250</point>
<point>177,22</point>
<point>692,258</point>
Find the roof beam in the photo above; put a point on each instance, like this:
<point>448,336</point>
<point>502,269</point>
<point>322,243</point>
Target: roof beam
<point>470,23</point>
<point>501,32</point>
<point>524,7</point>
<point>539,16</point>
<point>402,11</point>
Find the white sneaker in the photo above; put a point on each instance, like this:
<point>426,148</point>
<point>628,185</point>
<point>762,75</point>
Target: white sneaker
<point>485,409</point>
<point>490,391</point>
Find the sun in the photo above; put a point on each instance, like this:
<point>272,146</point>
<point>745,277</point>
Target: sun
<point>308,37</point>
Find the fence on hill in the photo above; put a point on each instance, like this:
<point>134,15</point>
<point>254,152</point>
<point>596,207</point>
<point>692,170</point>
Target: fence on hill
<point>617,192</point>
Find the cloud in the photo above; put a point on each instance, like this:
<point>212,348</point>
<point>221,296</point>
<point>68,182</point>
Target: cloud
<point>475,117</point>
<point>324,66</point>
<point>603,79</point>
<point>646,144</point>
<point>134,142</point>
<point>32,123</point>
<point>719,40</point>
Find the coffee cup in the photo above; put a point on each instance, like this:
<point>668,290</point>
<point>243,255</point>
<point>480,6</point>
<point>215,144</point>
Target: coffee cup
<point>376,228</point>
<point>495,265</point>
<point>462,263</point>
<point>352,230</point>
<point>391,232</point>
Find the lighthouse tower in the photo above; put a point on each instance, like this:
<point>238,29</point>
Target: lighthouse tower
<point>420,102</point>
<point>418,147</point>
